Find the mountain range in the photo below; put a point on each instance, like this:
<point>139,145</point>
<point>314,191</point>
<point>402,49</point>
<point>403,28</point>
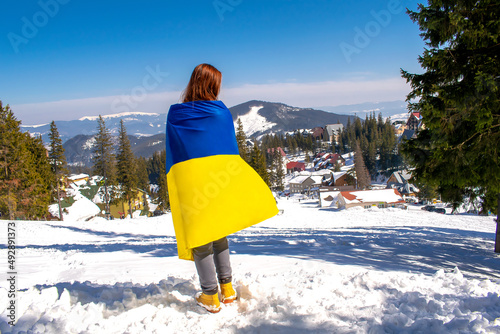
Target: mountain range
<point>147,130</point>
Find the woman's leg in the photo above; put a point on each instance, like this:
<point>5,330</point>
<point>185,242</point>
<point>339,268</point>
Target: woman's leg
<point>204,261</point>
<point>221,260</point>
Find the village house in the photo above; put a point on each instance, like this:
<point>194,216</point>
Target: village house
<point>78,179</point>
<point>270,151</point>
<point>328,160</point>
<point>318,133</point>
<point>301,184</point>
<point>295,166</point>
<point>328,199</point>
<point>368,198</point>
<point>305,183</point>
<point>414,121</point>
<point>399,128</point>
<point>121,209</point>
<point>400,181</point>
<point>332,131</point>
<point>408,134</point>
<point>338,181</point>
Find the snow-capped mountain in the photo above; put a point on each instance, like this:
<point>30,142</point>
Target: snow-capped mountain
<point>260,117</point>
<point>139,124</point>
<point>147,130</point>
<point>396,110</point>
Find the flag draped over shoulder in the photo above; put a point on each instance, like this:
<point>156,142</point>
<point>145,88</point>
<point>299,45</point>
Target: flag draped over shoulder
<point>213,192</point>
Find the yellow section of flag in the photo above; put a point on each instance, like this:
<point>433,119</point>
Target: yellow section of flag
<point>214,196</point>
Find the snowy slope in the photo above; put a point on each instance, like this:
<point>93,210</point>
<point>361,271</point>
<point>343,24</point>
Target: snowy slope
<point>253,122</point>
<point>309,269</point>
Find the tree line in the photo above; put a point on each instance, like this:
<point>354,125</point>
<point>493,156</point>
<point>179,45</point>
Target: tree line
<point>376,140</point>
<point>32,174</point>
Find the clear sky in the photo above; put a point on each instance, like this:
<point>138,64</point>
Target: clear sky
<point>64,59</point>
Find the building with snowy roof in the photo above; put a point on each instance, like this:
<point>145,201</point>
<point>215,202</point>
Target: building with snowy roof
<point>339,181</point>
<point>328,160</point>
<point>400,181</point>
<point>368,198</point>
<point>301,183</point>
<point>328,199</point>
<point>333,131</point>
<point>414,121</point>
<point>295,166</point>
<point>78,179</point>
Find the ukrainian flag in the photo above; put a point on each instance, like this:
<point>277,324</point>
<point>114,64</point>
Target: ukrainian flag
<point>213,192</point>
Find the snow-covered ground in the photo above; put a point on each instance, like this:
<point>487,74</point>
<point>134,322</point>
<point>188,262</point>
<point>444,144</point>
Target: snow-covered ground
<point>253,122</point>
<point>309,269</point>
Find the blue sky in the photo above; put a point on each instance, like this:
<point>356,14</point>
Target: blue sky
<point>64,59</point>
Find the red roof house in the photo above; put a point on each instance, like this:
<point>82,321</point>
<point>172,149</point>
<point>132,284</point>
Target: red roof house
<point>295,166</point>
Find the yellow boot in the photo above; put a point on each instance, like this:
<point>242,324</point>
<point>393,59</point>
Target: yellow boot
<point>209,302</point>
<point>228,293</point>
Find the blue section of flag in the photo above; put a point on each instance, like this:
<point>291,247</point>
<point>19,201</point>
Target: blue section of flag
<point>199,129</point>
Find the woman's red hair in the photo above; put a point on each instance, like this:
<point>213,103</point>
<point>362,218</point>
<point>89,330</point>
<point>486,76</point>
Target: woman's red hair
<point>204,84</point>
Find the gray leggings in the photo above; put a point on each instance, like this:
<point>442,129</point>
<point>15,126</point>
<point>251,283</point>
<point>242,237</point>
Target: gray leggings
<point>216,252</point>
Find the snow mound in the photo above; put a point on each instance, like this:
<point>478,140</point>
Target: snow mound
<point>81,209</point>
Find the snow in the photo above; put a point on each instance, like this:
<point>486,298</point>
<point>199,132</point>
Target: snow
<point>299,179</point>
<point>253,122</point>
<point>329,198</point>
<point>89,144</point>
<point>34,126</point>
<point>81,209</point>
<point>311,269</point>
<point>125,114</point>
<point>385,195</point>
<point>78,176</point>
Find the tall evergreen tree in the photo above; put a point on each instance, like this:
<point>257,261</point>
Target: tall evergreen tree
<point>11,161</point>
<point>142,174</point>
<point>277,175</point>
<point>458,98</point>
<point>163,197</point>
<point>24,171</point>
<point>241,139</point>
<point>57,161</point>
<point>362,174</point>
<point>126,173</point>
<point>258,163</point>
<point>36,180</point>
<point>104,161</point>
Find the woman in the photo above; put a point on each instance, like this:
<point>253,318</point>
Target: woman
<point>212,191</point>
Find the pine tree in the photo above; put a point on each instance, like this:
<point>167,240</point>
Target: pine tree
<point>36,180</point>
<point>163,197</point>
<point>155,166</point>
<point>458,98</point>
<point>277,174</point>
<point>126,173</point>
<point>11,161</point>
<point>57,161</point>
<point>362,174</point>
<point>24,171</point>
<point>104,161</point>
<point>258,163</point>
<point>142,174</point>
<point>241,139</point>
